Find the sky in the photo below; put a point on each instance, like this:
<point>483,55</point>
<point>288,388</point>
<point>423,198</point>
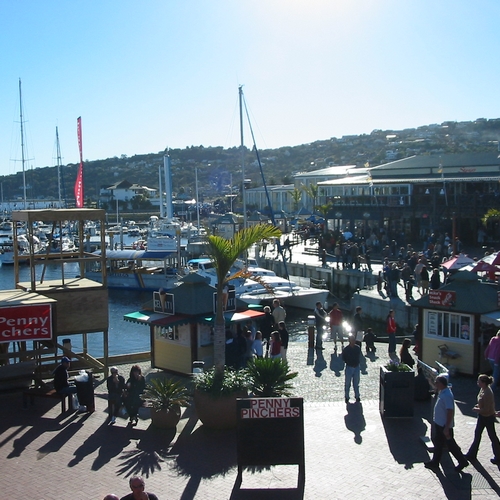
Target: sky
<point>154,74</point>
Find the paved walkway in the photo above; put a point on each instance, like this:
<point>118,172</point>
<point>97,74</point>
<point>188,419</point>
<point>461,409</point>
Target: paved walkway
<point>351,452</point>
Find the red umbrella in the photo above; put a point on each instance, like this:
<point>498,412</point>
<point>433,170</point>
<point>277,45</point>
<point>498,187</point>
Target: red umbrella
<point>493,259</point>
<point>483,266</point>
<point>457,262</point>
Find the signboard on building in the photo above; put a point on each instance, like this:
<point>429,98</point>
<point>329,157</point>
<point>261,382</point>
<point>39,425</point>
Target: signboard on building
<point>230,302</point>
<point>443,298</point>
<point>163,303</point>
<point>270,432</point>
<point>21,323</point>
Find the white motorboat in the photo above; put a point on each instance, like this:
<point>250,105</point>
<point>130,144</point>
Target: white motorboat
<point>23,249</point>
<point>252,292</point>
<point>135,270</point>
<point>289,293</point>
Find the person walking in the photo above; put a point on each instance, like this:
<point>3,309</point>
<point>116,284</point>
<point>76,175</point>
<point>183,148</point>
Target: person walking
<point>320,319</point>
<point>351,355</point>
<point>492,354</point>
<point>485,409</point>
<point>115,384</point>
<point>284,337</point>
<point>424,280</point>
<point>336,329</point>
<point>443,423</point>
<point>132,396</point>
<point>391,332</point>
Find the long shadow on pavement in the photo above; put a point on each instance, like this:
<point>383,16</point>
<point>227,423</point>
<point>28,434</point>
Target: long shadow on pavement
<point>403,435</point>
<point>355,421</point>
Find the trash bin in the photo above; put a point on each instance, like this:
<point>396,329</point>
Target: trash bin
<point>397,391</point>
<point>84,383</point>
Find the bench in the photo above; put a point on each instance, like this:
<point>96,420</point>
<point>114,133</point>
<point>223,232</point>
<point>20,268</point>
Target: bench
<point>17,375</point>
<point>45,392</point>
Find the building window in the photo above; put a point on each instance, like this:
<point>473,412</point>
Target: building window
<point>167,332</point>
<point>449,326</point>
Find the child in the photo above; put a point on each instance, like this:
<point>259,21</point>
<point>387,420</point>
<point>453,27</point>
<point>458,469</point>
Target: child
<point>275,349</point>
<point>257,346</point>
<point>369,339</point>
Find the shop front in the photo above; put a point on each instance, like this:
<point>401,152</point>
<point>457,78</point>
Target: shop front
<point>451,323</point>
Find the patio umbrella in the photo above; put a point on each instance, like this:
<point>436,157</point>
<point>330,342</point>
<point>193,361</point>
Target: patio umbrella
<point>457,262</point>
<point>482,266</point>
<point>493,259</point>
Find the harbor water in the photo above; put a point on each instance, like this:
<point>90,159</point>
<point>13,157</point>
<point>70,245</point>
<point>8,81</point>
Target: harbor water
<point>126,337</point>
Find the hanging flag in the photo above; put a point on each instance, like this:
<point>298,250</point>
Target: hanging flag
<point>79,176</point>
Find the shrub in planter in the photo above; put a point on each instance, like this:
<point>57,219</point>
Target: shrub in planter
<point>165,397</point>
<point>215,396</point>
<point>270,378</point>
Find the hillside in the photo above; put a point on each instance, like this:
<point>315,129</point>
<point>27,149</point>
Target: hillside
<point>216,165</point>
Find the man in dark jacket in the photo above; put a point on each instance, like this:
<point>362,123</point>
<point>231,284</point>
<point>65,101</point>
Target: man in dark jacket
<point>61,378</point>
<point>320,319</point>
<point>351,355</point>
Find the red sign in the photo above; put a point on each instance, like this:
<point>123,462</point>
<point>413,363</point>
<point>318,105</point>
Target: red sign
<point>26,323</point>
<point>443,298</point>
<point>270,408</point>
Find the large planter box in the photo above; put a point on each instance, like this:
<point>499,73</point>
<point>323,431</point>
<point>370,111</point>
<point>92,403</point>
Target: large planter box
<point>397,391</point>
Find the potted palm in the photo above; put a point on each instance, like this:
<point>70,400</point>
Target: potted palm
<point>217,390</point>
<point>270,378</point>
<point>165,397</point>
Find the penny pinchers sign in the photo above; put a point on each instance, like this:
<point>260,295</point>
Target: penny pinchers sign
<point>20,323</point>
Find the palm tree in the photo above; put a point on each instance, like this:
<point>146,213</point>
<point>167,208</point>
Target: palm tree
<point>224,253</point>
<point>312,191</point>
<point>296,197</point>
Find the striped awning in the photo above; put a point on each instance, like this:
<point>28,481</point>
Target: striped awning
<point>152,318</point>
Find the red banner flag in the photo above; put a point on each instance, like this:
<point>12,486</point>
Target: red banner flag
<point>79,176</point>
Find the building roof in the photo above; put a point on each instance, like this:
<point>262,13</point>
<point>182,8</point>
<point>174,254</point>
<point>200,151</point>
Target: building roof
<point>336,171</point>
<point>472,296</point>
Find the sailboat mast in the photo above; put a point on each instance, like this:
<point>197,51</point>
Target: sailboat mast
<point>23,160</point>
<point>59,161</point>
<point>161,192</point>
<point>242,146</point>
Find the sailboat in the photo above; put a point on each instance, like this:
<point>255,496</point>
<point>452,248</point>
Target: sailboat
<point>24,246</point>
<point>252,292</point>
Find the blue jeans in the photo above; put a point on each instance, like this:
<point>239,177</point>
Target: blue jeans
<point>392,343</point>
<point>70,389</point>
<point>352,375</point>
<point>496,373</point>
<point>319,336</point>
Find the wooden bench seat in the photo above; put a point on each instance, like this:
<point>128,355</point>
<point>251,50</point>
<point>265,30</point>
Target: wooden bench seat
<point>45,392</point>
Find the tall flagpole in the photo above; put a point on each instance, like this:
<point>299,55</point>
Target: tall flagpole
<point>79,178</point>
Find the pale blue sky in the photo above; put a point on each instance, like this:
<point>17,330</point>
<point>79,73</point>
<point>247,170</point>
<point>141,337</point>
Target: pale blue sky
<point>156,73</point>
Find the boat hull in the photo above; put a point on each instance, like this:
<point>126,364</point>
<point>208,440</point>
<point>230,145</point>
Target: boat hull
<point>136,281</point>
<point>301,299</point>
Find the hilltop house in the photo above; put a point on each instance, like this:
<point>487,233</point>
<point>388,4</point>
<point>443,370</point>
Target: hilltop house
<point>124,191</point>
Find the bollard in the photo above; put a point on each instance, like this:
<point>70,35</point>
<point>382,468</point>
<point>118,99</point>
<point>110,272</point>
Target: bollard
<point>310,331</point>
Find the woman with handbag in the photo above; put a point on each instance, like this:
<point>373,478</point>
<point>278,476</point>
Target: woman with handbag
<point>132,394</point>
